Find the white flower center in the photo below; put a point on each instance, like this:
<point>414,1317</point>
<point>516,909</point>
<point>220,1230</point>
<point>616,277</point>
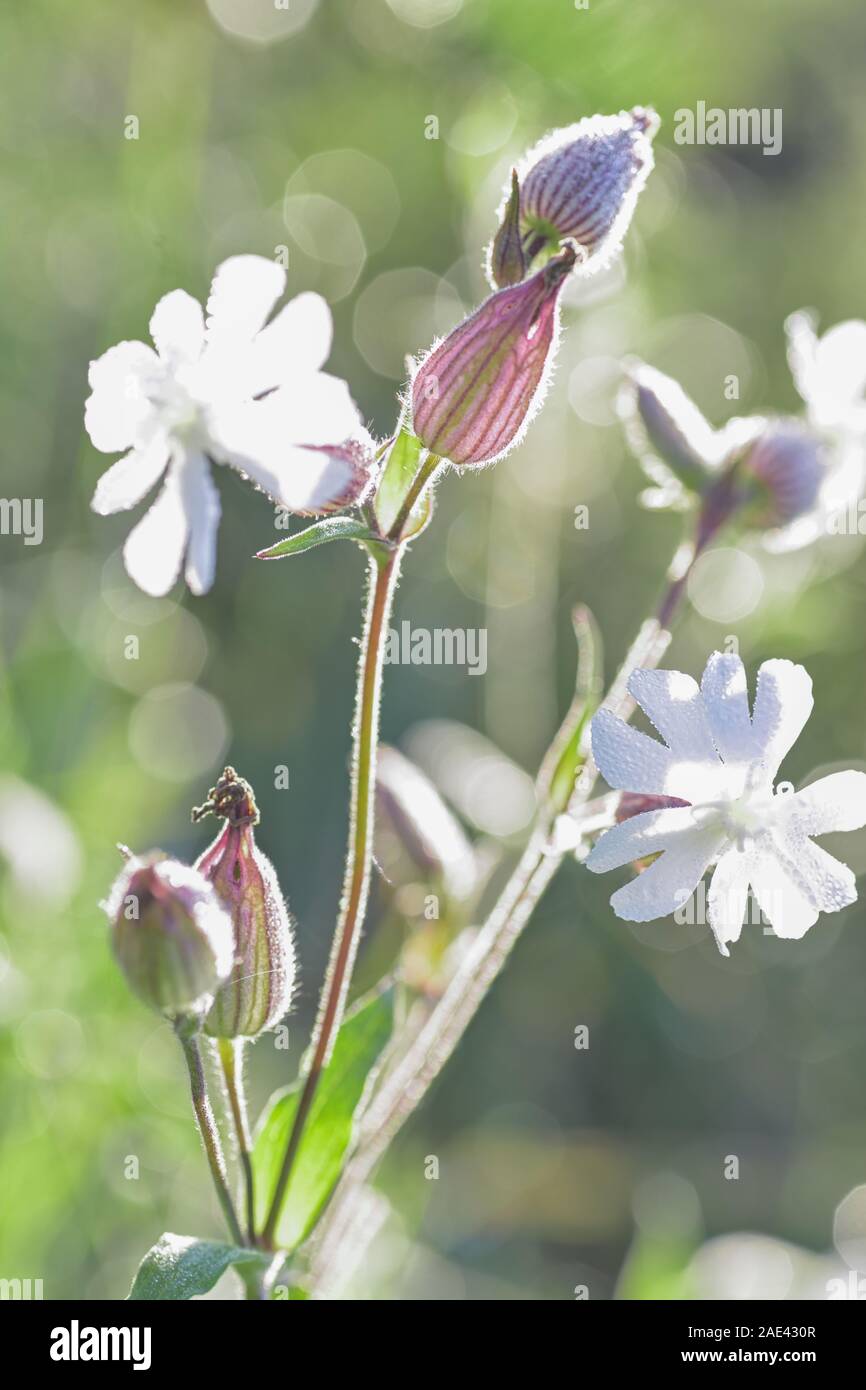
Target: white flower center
<point>744,816</point>
<point>182,413</point>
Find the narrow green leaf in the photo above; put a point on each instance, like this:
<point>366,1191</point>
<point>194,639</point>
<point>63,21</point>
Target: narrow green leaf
<point>567,754</point>
<point>180,1267</point>
<point>398,474</point>
<point>328,1132</point>
<point>331,528</point>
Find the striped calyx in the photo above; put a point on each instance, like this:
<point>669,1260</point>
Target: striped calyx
<point>583,182</point>
<point>171,935</point>
<point>475,393</point>
<point>785,467</point>
<point>258,990</point>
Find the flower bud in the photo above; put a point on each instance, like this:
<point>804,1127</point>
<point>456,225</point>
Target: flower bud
<point>171,935</point>
<point>474,395</point>
<point>418,839</point>
<point>258,990</point>
<point>786,466</point>
<point>662,422</point>
<point>583,182</point>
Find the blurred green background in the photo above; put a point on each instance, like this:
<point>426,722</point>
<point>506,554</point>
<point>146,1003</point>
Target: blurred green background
<point>260,128</point>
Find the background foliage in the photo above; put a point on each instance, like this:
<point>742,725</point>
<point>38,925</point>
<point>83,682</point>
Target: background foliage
<point>556,1165</point>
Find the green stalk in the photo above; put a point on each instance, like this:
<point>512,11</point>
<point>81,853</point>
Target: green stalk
<point>231,1054</point>
<point>208,1130</point>
<point>384,572</point>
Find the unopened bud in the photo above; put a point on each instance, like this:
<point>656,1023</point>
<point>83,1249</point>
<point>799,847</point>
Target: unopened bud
<point>786,466</point>
<point>258,990</point>
<point>171,935</point>
<point>583,182</point>
<point>475,393</point>
<point>662,422</point>
<point>418,839</point>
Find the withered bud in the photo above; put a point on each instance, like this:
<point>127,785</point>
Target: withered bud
<point>258,989</point>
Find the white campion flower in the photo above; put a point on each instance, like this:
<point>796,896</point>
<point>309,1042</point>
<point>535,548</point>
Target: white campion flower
<point>769,470</point>
<point>722,760</point>
<point>221,387</point>
<point>830,374</point>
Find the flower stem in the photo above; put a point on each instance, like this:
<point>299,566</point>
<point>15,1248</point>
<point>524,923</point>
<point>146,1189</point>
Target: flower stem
<point>231,1054</point>
<point>419,483</point>
<point>383,582</point>
<point>208,1130</point>
<point>405,1085</point>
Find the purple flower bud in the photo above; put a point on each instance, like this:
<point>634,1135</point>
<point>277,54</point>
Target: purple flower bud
<point>583,183</point>
<point>474,395</point>
<point>662,422</point>
<point>507,261</point>
<point>258,990</point>
<point>418,839</point>
<point>171,935</point>
<point>787,464</point>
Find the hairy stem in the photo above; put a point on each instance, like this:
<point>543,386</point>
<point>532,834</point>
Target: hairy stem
<point>383,582</point>
<point>406,1084</point>
<point>419,483</point>
<point>208,1130</point>
<point>231,1054</point>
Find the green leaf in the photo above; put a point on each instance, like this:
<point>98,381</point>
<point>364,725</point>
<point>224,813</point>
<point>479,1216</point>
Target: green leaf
<point>329,1128</point>
<point>180,1267</point>
<point>567,754</point>
<point>397,477</point>
<point>331,528</point>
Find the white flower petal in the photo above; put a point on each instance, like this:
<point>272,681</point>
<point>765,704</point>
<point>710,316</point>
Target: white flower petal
<point>785,906</point>
<point>177,328</point>
<point>783,703</point>
<point>297,341</point>
<point>728,897</point>
<point>631,761</point>
<point>726,699</point>
<point>131,478</point>
<point>628,760</point>
<point>669,882</point>
<point>830,372</point>
<point>202,504</point>
<point>302,480</point>
<point>315,409</point>
<point>827,883</point>
<point>154,548</point>
<point>244,290</point>
<point>837,802</point>
<point>640,836</point>
<point>114,413</point>
<point>673,702</point>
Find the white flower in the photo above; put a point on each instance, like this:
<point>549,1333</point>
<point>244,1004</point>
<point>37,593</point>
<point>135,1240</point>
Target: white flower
<point>723,760</point>
<point>225,388</point>
<point>830,375</point>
